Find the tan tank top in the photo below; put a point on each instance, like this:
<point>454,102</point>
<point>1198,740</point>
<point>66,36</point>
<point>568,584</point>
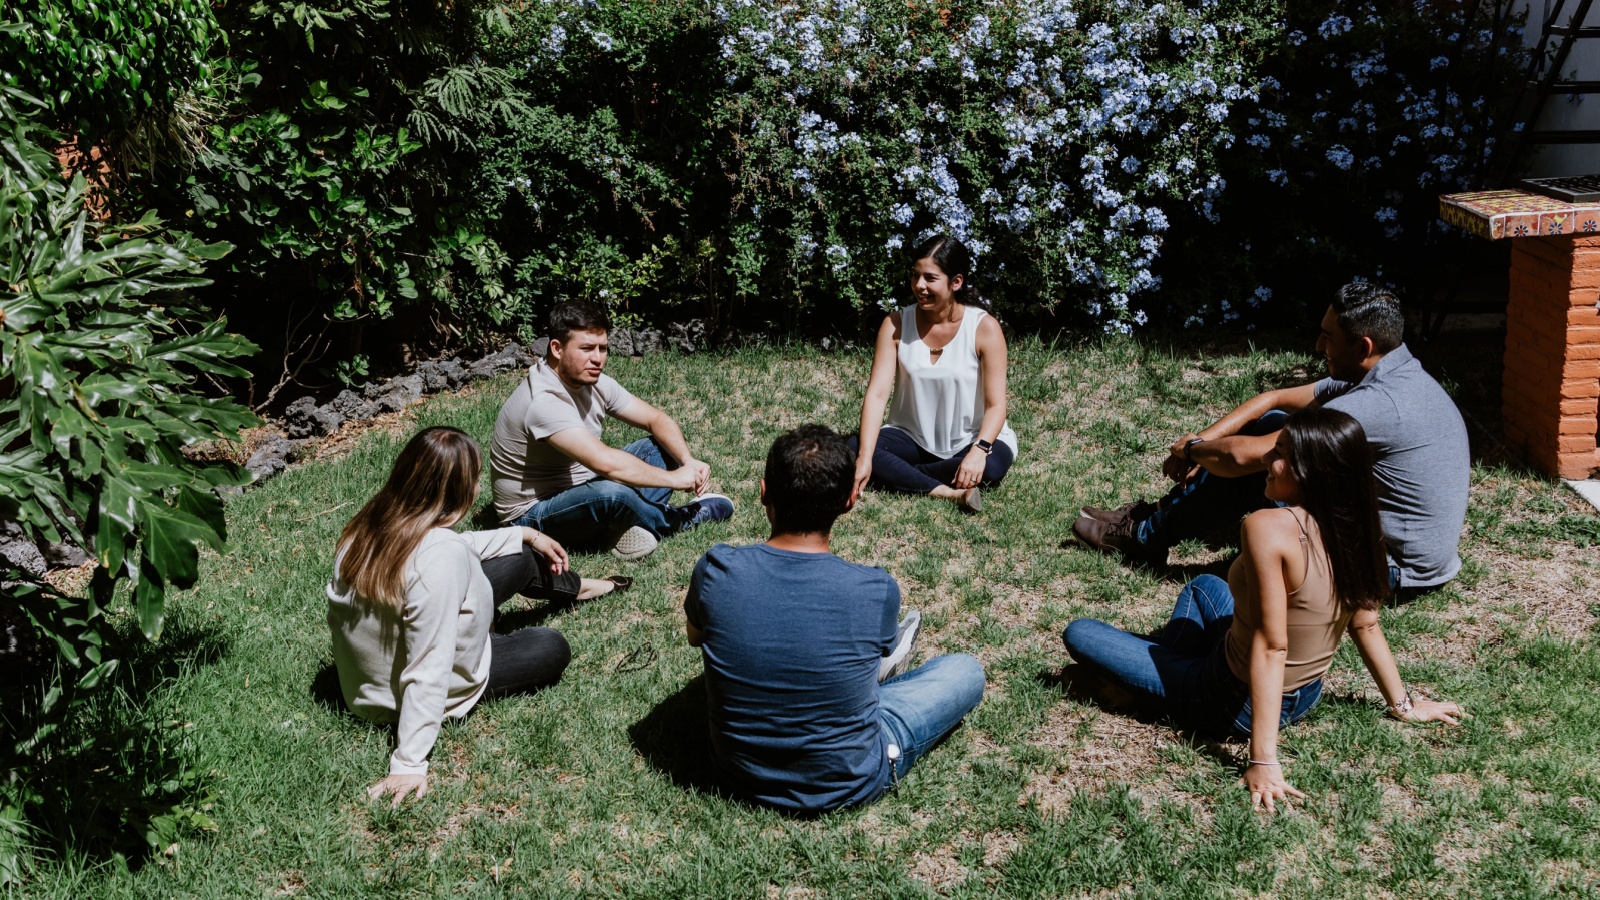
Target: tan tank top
<point>1316,620</point>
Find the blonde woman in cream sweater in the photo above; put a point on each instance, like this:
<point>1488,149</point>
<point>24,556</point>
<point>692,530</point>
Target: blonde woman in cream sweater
<point>411,603</point>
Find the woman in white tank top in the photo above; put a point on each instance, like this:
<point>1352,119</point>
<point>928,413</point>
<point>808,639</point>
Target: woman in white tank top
<point>944,359</point>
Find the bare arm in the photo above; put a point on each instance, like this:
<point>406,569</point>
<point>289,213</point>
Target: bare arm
<point>1223,450</point>
<point>613,464</point>
<point>1374,647</point>
<point>693,634</point>
<point>991,345</point>
<point>1266,542</point>
<point>879,385</point>
<point>665,430</point>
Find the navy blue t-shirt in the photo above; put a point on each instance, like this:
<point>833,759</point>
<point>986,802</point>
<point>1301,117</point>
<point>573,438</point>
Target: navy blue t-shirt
<point>791,643</point>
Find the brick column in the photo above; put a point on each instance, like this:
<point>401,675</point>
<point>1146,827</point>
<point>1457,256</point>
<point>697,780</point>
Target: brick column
<point>1551,397</point>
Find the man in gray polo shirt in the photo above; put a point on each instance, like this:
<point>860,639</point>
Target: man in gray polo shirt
<point>550,471</point>
<point>1418,440</point>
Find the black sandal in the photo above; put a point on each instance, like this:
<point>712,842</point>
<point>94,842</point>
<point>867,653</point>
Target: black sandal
<point>622,582</point>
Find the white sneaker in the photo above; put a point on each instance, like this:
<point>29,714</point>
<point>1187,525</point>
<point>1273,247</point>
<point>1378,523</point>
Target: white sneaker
<point>635,543</point>
<point>898,662</point>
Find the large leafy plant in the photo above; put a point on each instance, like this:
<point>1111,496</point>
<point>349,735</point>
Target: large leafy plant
<point>98,362</point>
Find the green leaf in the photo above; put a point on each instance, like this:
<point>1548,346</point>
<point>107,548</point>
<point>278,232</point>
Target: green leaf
<point>150,597</point>
<point>171,543</point>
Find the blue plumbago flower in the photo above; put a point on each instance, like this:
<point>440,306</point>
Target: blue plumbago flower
<point>556,42</point>
<point>1341,156</point>
<point>601,39</point>
<point>1334,26</point>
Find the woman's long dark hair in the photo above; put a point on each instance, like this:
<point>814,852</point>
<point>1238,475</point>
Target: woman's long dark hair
<point>953,258</point>
<point>434,482</point>
<point>1331,461</point>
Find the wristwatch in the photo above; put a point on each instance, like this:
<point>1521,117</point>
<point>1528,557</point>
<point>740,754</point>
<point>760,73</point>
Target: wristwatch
<point>986,446</point>
<point>1188,457</point>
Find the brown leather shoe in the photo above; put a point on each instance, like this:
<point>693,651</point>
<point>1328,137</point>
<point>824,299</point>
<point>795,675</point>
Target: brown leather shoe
<point>1116,537</point>
<point>1137,511</point>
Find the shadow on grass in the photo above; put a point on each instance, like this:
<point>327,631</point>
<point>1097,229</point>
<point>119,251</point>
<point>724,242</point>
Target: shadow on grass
<point>115,782</point>
<point>1085,685</point>
<point>674,740</point>
<point>326,692</point>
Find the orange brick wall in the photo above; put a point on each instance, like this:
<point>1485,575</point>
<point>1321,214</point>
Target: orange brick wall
<point>1551,398</point>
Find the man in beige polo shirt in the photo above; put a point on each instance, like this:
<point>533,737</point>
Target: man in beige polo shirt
<point>550,470</point>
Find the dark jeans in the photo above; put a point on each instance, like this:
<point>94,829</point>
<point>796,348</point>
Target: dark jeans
<point>898,464</point>
<point>589,516</point>
<point>529,658</point>
<point>1208,502</point>
<point>1184,666</point>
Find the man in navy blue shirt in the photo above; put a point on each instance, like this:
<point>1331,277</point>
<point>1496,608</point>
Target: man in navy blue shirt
<point>795,641</point>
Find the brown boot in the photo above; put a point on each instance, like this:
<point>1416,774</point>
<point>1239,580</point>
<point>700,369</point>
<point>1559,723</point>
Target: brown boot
<point>1116,537</point>
<point>1137,510</point>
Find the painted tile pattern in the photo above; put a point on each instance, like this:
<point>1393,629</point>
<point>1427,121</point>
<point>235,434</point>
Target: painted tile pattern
<point>1513,214</point>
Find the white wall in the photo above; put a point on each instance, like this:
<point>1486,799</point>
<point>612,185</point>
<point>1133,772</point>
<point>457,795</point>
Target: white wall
<point>1559,112</point>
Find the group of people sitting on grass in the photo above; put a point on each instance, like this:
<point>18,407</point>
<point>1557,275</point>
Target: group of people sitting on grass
<point>1352,492</point>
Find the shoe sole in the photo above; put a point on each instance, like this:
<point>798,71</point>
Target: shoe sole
<point>972,501</point>
<point>635,543</point>
<point>905,648</point>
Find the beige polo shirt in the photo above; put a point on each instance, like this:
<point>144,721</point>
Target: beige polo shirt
<point>524,466</point>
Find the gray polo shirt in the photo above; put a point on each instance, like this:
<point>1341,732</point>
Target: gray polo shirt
<point>1421,462</point>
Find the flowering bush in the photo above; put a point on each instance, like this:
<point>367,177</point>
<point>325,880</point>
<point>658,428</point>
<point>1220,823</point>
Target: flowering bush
<point>1054,138</point>
<point>1367,112</point>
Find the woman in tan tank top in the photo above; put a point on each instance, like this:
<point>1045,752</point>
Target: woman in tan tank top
<point>1307,572</point>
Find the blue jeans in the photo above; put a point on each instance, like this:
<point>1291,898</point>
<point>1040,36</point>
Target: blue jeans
<point>923,705</point>
<point>1184,666</point>
<point>1208,502</point>
<point>589,515</point>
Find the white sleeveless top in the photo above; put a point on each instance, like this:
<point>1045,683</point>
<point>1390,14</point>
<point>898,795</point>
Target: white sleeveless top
<point>940,404</point>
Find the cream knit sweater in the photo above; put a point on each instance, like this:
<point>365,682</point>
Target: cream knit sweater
<point>429,658</point>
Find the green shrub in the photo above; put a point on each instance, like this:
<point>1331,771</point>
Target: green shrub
<point>98,400</point>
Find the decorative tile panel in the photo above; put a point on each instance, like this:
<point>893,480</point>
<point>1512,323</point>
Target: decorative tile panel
<point>1513,214</point>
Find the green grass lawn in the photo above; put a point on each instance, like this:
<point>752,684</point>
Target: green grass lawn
<point>601,785</point>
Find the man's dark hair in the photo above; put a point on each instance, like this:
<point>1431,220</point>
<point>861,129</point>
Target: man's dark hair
<point>810,473</point>
<point>1366,310</point>
<point>576,315</point>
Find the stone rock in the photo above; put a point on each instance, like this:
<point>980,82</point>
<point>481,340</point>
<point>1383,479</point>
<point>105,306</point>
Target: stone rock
<point>827,344</point>
<point>350,405</point>
<point>513,356</point>
<point>689,336</point>
<point>64,556</point>
<point>621,341</point>
<point>270,458</point>
<point>648,340</point>
<point>19,551</point>
<point>454,372</point>
<point>395,394</point>
<point>537,349</point>
<point>304,418</point>
<point>296,417</point>
<point>442,374</point>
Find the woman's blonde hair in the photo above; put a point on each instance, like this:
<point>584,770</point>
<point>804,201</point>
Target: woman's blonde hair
<point>434,483</point>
